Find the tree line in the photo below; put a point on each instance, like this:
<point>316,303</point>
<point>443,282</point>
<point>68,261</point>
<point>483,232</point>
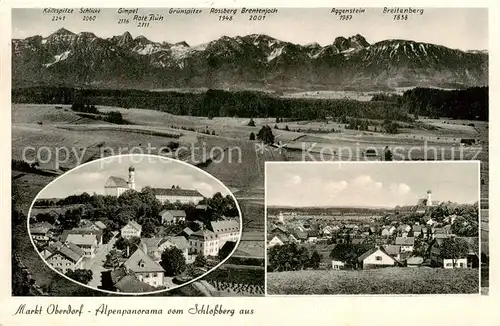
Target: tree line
<point>467,104</point>
<point>140,206</point>
<point>214,103</point>
<point>292,257</point>
<point>470,103</point>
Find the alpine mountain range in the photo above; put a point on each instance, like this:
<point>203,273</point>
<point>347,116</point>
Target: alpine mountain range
<point>241,62</point>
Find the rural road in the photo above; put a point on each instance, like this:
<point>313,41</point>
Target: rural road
<point>96,264</point>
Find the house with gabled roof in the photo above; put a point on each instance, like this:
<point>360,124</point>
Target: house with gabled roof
<point>125,281</point>
<point>87,240</point>
<point>388,230</point>
<point>172,216</point>
<point>63,257</point>
<point>277,239</point>
<point>299,235</point>
<point>406,243</point>
<point>186,232</point>
<point>131,230</point>
<point>41,232</point>
<point>394,251</point>
<point>205,242</point>
<point>419,230</point>
<point>403,229</point>
<point>376,257</point>
<point>145,268</point>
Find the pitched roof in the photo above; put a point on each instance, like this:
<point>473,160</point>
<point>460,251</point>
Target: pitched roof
<point>393,250</point>
<point>283,238</point>
<point>298,234</point>
<point>80,231</point>
<point>130,284</point>
<point>278,229</point>
<point>84,239</point>
<point>176,192</point>
<point>405,241</point>
<point>373,250</point>
<point>418,228</point>
<point>117,274</point>
<point>134,224</point>
<point>179,241</point>
<point>205,234</point>
<point>151,244</point>
<point>100,225</point>
<point>225,226</point>
<point>367,253</point>
<point>140,262</point>
<point>42,227</point>
<point>174,212</point>
<point>187,231</point>
<point>70,250</point>
<point>116,182</point>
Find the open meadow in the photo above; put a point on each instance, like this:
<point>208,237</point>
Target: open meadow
<point>396,280</point>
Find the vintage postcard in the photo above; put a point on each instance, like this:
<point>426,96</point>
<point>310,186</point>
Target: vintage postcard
<point>226,155</point>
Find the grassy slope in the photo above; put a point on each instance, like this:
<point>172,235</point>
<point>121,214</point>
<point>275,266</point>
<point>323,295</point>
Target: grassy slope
<point>380,281</point>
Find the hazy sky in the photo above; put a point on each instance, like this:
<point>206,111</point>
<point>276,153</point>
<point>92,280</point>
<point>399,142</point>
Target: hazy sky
<point>461,28</point>
<point>370,184</point>
<point>149,171</point>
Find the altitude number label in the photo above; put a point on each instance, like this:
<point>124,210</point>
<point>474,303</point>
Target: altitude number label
<point>402,14</point>
<point>346,14</point>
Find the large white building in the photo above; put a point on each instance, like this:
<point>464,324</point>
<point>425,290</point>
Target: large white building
<point>172,195</point>
<point>115,186</point>
<point>226,230</point>
<point>204,241</point>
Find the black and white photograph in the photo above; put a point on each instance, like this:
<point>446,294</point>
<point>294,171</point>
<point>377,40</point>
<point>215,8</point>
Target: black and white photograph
<point>134,224</point>
<point>372,228</point>
<point>227,90</point>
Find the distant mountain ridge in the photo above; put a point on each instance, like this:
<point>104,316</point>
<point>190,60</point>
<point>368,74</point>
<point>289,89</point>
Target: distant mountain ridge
<point>241,62</point>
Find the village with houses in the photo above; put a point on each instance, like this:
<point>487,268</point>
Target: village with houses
<point>133,241</point>
<point>428,235</point>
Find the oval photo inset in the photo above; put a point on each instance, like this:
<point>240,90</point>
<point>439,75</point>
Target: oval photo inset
<point>135,224</point>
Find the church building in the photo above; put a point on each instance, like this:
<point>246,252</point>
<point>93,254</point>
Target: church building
<point>115,186</point>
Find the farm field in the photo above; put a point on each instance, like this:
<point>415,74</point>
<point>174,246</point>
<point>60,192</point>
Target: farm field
<point>379,281</point>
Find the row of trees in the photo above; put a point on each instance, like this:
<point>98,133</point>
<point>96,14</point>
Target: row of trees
<point>214,103</point>
<point>291,257</point>
<point>140,206</point>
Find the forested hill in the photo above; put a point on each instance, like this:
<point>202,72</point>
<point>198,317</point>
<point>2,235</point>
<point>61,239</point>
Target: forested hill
<point>471,103</point>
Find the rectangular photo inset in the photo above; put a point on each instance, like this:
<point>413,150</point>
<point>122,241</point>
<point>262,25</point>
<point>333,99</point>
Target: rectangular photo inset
<point>363,228</point>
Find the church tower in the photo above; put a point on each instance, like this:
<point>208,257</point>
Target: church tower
<point>281,218</point>
<point>429,198</point>
<point>131,180</point>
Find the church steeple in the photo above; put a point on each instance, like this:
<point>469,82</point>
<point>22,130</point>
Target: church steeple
<point>131,179</point>
<point>429,198</point>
